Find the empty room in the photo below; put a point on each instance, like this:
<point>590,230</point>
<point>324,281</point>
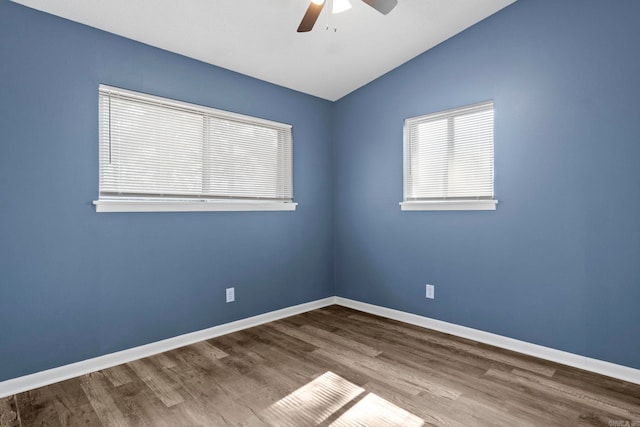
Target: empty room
<point>319,212</point>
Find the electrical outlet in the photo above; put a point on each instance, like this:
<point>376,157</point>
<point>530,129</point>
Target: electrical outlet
<point>430,291</point>
<point>231,294</point>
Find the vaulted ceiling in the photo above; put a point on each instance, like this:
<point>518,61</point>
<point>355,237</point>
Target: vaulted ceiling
<point>258,37</point>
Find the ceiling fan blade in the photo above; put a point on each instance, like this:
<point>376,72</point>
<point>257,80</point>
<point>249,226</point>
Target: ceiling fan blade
<point>382,6</point>
<point>310,17</point>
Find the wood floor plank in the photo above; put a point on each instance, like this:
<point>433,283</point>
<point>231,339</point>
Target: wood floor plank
<point>420,406</point>
<point>37,407</point>
<point>118,375</point>
<point>97,390</point>
<point>161,386</point>
<point>60,404</point>
<point>341,341</point>
<point>474,348</point>
<point>331,367</point>
<point>578,378</point>
<point>606,402</point>
<point>233,409</point>
<point>164,361</point>
<point>127,396</point>
<point>209,350</point>
<point>407,379</point>
<point>142,407</point>
<point>9,412</point>
<point>72,405</point>
<point>204,397</point>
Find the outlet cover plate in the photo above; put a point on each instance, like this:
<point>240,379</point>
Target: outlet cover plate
<point>430,291</point>
<point>231,295</point>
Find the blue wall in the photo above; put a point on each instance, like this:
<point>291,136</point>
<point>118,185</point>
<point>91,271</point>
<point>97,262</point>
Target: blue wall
<point>558,263</point>
<point>75,284</point>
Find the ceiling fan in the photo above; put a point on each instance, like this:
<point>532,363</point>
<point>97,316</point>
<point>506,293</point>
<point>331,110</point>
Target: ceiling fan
<point>315,7</point>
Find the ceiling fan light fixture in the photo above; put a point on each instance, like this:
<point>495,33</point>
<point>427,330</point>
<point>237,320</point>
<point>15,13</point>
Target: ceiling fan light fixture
<point>340,6</point>
<point>315,7</point>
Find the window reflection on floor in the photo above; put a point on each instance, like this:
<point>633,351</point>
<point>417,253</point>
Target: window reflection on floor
<point>329,394</point>
<point>375,411</point>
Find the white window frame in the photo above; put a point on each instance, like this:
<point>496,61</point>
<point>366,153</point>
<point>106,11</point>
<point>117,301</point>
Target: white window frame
<point>444,203</point>
<point>123,203</point>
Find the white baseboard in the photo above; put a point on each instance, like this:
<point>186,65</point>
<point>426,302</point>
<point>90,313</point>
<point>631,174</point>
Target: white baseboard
<point>50,376</point>
<point>588,364</point>
<point>43,378</point>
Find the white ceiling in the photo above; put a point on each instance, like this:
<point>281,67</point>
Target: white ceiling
<point>258,37</point>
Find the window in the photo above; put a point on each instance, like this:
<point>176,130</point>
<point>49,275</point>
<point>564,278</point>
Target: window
<point>448,160</point>
<point>163,155</point>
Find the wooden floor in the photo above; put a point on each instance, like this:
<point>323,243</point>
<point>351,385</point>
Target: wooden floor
<point>332,366</point>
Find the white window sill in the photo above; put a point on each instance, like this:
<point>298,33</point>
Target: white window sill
<point>130,205</point>
<point>449,205</point>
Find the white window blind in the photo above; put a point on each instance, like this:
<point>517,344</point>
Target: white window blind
<point>154,149</point>
<point>449,159</point>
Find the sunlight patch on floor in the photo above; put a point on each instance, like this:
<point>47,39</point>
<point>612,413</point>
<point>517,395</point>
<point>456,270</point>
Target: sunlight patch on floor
<point>319,399</point>
<point>312,403</point>
<point>375,411</point>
